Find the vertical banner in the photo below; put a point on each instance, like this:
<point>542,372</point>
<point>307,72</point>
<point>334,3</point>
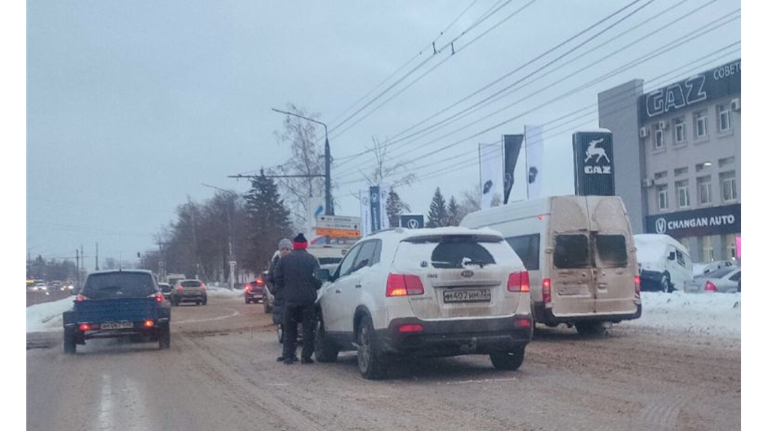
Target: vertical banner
<point>512,144</point>
<point>383,195</point>
<point>490,173</point>
<point>593,163</point>
<point>375,209</point>
<point>534,159</point>
<point>365,213</point>
<point>315,209</point>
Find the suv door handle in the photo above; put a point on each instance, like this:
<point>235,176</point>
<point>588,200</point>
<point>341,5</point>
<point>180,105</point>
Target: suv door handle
<point>358,285</point>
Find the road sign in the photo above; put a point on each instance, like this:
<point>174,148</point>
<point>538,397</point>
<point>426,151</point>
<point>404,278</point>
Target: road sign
<point>338,223</point>
<point>412,221</point>
<point>338,233</point>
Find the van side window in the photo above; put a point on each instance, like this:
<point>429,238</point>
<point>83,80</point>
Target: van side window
<point>571,251</point>
<point>611,250</point>
<point>527,247</point>
<point>680,258</point>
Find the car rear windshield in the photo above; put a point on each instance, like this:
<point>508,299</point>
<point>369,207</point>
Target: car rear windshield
<point>192,283</point>
<point>453,251</point>
<point>571,251</point>
<point>612,251</point>
<point>119,285</point>
<point>719,273</point>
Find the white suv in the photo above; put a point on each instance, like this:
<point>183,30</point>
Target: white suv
<point>427,292</point>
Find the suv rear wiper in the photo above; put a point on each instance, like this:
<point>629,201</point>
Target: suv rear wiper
<point>480,263</point>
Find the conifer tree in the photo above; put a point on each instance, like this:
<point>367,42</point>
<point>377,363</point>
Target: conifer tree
<point>268,221</point>
<point>438,214</point>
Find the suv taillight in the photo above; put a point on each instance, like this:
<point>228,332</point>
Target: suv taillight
<point>710,287</point>
<point>404,285</point>
<point>180,288</point>
<point>519,282</point>
<point>203,286</point>
<point>259,282</point>
<point>247,288</point>
<point>159,296</point>
<point>546,290</point>
<point>80,298</point>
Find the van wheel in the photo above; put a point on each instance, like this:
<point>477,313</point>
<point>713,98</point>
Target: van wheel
<point>370,360</point>
<point>591,329</point>
<point>508,361</point>
<point>665,285</point>
<point>324,350</point>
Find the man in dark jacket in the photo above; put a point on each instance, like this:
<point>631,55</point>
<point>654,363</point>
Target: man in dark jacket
<point>278,311</point>
<point>295,279</point>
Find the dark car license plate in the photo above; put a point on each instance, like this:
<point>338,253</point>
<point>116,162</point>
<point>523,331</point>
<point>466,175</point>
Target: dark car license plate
<point>474,295</point>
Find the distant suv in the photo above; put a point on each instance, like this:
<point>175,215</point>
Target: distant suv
<point>427,292</point>
<point>189,291</point>
<point>255,291</point>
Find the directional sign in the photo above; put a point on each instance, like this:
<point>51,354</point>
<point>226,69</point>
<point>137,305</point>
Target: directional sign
<point>338,222</point>
<point>338,233</point>
<point>412,221</point>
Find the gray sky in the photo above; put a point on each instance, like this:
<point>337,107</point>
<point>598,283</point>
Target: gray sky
<point>132,105</point>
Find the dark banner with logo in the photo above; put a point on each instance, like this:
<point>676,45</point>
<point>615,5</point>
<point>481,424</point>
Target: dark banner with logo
<point>593,163</point>
<point>705,221</point>
<point>719,82</point>
<point>412,221</point>
<point>512,144</point>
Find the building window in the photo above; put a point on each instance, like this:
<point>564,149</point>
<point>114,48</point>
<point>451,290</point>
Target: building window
<point>726,161</point>
<point>724,116</point>
<point>701,123</point>
<point>660,175</point>
<point>701,166</point>
<point>659,134</point>
<point>679,130</point>
<point>686,242</point>
<point>661,192</point>
<point>681,188</point>
<point>708,253</point>
<point>730,245</point>
<point>704,185</point>
<point>728,185</point>
<point>681,171</point>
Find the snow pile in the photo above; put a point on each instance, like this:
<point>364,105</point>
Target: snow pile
<point>717,314</point>
<point>223,292</point>
<point>47,317</point>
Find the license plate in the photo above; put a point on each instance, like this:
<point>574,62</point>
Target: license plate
<point>116,325</point>
<point>475,295</point>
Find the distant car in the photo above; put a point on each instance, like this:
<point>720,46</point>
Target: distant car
<point>706,268</point>
<point>189,291</point>
<point>721,280</point>
<point>255,291</point>
<point>40,285</point>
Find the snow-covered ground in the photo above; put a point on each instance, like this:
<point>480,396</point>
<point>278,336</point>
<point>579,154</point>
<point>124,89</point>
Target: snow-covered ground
<point>716,314</point>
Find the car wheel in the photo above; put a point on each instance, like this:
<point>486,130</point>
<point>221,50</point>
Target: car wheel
<point>370,360</point>
<point>205,301</point>
<point>70,342</point>
<point>665,285</point>
<point>165,336</point>
<point>280,334</point>
<point>324,350</point>
<point>508,361</point>
<point>591,329</point>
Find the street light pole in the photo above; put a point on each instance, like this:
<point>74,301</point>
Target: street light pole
<point>231,262</point>
<point>328,197</point>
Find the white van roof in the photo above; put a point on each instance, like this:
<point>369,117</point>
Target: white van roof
<point>655,241</point>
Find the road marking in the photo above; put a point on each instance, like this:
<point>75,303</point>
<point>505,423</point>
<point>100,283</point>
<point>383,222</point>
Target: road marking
<point>463,382</point>
<point>105,409</point>
<point>209,319</point>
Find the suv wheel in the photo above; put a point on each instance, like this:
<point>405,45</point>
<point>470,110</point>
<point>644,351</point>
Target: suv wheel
<point>508,361</point>
<point>70,342</point>
<point>370,360</point>
<point>164,335</point>
<point>324,350</point>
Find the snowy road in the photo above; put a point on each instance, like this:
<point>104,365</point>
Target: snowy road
<point>220,373</point>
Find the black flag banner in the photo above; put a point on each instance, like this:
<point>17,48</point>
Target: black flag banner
<point>512,144</point>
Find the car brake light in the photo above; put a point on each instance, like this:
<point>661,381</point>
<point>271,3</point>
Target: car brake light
<point>522,323</point>
<point>159,297</point>
<point>84,327</point>
<point>519,282</point>
<point>637,285</point>
<point>149,323</point>
<point>404,285</point>
<point>203,286</point>
<point>259,282</point>
<point>411,328</point>
<point>710,287</point>
<point>180,287</point>
<point>247,288</point>
<point>546,290</point>
<point>80,298</point>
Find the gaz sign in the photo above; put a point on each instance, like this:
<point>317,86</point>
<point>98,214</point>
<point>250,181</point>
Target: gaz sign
<point>593,163</point>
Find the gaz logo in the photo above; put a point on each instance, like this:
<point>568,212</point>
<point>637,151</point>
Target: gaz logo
<point>599,154</point>
<point>661,225</point>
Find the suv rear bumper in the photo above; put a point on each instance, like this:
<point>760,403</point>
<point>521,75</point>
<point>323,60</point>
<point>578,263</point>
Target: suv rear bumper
<point>456,337</point>
<point>545,315</point>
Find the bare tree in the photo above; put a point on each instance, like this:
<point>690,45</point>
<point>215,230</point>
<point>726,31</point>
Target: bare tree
<point>392,174</point>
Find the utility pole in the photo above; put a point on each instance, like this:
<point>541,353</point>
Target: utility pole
<point>77,264</point>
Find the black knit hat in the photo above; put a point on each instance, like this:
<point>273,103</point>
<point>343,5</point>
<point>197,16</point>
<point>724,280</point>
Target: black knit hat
<point>300,242</point>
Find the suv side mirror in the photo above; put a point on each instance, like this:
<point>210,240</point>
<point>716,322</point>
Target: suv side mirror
<point>323,274</point>
<point>671,255</point>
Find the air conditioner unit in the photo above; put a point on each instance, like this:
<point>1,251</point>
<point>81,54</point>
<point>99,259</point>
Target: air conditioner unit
<point>648,182</point>
<point>662,125</point>
<point>643,132</point>
<point>736,104</point>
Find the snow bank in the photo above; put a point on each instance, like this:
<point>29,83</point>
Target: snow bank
<point>47,317</point>
<point>224,292</point>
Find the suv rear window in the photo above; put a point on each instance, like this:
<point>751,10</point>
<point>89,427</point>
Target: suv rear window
<point>119,285</point>
<point>571,251</point>
<point>456,251</point>
<point>612,251</point>
<point>190,283</point>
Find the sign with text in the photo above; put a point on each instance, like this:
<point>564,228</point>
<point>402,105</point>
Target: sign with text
<point>593,164</point>
<point>338,222</point>
<point>705,221</point>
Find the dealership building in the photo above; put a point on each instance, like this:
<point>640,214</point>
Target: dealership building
<point>677,159</point>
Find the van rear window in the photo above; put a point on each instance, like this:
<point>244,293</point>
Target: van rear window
<point>612,251</point>
<point>119,285</point>
<point>571,251</point>
<point>527,247</point>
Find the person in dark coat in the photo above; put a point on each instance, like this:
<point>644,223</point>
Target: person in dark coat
<point>278,310</point>
<point>295,278</point>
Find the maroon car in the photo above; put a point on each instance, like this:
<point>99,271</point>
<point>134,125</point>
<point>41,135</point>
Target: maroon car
<point>255,291</point>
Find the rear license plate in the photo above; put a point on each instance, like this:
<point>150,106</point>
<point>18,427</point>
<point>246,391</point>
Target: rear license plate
<point>475,295</point>
<point>116,325</point>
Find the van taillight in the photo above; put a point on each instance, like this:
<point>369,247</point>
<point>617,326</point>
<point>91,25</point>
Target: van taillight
<point>546,290</point>
<point>519,282</point>
<point>404,285</point>
<point>710,287</point>
<point>637,285</point>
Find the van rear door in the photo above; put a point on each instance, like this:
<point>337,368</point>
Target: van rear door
<point>573,279</point>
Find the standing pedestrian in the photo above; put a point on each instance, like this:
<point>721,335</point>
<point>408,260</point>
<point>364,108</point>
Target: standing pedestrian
<point>278,310</point>
<point>295,277</point>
